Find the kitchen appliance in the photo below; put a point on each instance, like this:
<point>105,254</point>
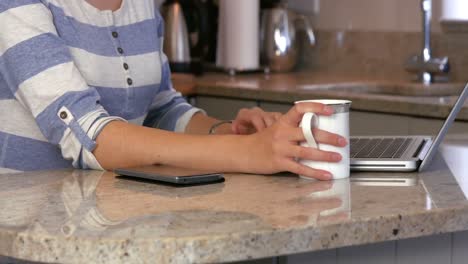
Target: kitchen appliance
<point>176,41</point>
<point>238,36</point>
<point>279,45</point>
<point>188,37</point>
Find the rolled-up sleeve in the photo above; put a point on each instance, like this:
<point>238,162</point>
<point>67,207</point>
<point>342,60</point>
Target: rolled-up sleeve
<point>39,70</point>
<point>169,110</point>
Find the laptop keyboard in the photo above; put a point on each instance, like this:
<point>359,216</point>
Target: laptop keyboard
<point>379,148</point>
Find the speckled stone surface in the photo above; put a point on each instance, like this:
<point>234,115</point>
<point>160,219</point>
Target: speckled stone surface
<point>94,217</point>
<point>375,95</point>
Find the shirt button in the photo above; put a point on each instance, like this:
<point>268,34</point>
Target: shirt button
<point>125,65</point>
<point>120,50</point>
<point>129,81</point>
<point>115,34</point>
<point>63,115</point>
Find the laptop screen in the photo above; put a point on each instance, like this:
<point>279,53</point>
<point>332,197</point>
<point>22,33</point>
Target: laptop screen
<point>448,122</point>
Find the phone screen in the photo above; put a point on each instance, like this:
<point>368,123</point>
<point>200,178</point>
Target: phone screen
<point>171,175</point>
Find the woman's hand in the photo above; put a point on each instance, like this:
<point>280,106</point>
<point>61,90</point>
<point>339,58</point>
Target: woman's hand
<point>276,148</point>
<point>253,120</point>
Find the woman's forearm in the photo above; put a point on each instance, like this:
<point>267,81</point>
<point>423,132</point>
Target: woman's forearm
<point>271,150</point>
<point>126,145</point>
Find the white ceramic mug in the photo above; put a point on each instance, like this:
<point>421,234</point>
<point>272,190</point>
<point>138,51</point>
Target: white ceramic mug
<point>337,123</point>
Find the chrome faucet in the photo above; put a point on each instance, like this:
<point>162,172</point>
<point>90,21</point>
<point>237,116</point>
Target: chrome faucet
<point>424,64</point>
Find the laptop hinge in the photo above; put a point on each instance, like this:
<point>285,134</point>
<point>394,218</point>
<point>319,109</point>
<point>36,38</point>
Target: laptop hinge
<point>418,150</point>
<point>424,149</point>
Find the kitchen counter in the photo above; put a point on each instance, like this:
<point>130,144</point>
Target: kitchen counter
<point>91,216</point>
<point>395,97</point>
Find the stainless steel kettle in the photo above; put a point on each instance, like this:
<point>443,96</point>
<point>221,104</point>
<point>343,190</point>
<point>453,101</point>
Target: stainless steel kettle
<point>278,37</point>
<point>176,38</point>
<point>188,38</point>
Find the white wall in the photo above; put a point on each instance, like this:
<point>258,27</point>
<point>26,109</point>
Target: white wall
<point>367,15</point>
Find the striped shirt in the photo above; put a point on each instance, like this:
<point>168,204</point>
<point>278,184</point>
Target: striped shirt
<point>67,69</point>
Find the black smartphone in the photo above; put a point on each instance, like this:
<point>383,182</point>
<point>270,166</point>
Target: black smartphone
<point>171,175</point>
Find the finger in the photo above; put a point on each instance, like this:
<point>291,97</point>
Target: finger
<point>240,128</point>
<point>244,116</point>
<point>269,120</point>
<point>277,115</point>
<point>293,134</point>
<point>294,116</point>
<point>306,171</point>
<point>258,123</point>
<point>296,135</point>
<point>307,153</point>
<point>287,133</point>
<point>234,127</point>
<point>326,137</point>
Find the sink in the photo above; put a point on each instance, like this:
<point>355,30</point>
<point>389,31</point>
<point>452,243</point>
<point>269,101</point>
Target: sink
<point>395,89</point>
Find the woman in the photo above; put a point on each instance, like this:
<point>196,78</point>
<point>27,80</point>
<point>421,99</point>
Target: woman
<point>79,78</point>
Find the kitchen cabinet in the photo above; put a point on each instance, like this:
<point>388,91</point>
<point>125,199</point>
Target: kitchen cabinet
<point>444,248</point>
<point>428,250</point>
<point>366,123</point>
<point>378,253</point>
<point>459,245</point>
<point>222,108</point>
<point>422,126</point>
<point>258,261</point>
<point>275,107</point>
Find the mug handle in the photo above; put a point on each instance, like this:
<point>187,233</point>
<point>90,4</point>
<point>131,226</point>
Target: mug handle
<point>306,125</point>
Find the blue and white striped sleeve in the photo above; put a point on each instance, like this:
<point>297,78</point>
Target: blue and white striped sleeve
<point>169,110</point>
<point>38,69</point>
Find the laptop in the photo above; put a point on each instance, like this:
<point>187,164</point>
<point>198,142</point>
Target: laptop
<point>400,153</point>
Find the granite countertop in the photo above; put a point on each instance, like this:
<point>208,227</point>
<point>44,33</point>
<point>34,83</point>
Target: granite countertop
<point>375,95</point>
<point>91,216</point>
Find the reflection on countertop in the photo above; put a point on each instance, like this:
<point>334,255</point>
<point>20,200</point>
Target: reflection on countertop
<point>455,153</point>
<point>81,216</point>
